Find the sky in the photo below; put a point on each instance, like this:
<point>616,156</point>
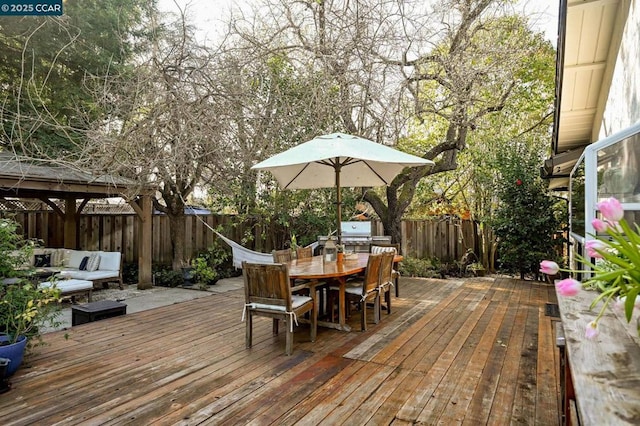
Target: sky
<point>205,13</point>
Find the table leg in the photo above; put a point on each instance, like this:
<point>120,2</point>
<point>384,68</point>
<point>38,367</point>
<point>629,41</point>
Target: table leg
<point>342,310</point>
<point>341,324</point>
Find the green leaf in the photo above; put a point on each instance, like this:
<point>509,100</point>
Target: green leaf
<point>630,302</point>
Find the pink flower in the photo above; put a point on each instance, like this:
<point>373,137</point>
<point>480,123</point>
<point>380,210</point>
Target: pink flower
<point>600,225</point>
<point>549,267</point>
<point>592,330</point>
<point>519,182</point>
<point>594,248</point>
<point>611,209</point>
<point>568,287</point>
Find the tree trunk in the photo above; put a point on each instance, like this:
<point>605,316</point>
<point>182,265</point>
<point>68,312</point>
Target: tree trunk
<point>393,227</point>
<point>176,231</point>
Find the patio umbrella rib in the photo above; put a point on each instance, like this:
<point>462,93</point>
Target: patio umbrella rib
<point>296,176</point>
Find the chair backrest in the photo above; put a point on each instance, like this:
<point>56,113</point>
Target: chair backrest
<point>383,247</point>
<point>386,267</point>
<point>304,252</point>
<point>281,256</point>
<point>267,284</point>
<point>372,273</point>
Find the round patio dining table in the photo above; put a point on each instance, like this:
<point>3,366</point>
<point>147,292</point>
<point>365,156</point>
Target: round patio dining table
<point>315,270</point>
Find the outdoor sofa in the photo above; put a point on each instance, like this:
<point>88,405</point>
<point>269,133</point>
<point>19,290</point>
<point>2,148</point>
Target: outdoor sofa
<point>98,267</point>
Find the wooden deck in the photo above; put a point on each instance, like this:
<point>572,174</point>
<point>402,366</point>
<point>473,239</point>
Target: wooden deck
<point>475,352</point>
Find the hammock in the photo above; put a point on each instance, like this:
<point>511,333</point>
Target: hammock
<point>241,253</point>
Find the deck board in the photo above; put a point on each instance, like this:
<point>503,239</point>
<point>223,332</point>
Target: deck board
<point>478,351</point>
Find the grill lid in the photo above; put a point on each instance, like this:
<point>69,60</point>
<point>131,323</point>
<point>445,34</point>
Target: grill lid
<point>355,229</point>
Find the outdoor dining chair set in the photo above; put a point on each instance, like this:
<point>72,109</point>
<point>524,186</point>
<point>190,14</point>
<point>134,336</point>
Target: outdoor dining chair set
<point>268,292</point>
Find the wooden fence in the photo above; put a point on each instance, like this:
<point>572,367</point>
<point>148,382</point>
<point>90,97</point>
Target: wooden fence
<point>446,240</point>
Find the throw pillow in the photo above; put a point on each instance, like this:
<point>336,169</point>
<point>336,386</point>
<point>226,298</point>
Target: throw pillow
<point>83,263</point>
<point>94,262</point>
<point>42,260</point>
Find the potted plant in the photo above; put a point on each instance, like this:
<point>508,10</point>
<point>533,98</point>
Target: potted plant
<point>477,269</point>
<point>24,308</point>
<point>187,273</point>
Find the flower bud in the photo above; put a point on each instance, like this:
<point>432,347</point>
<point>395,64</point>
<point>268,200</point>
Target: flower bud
<point>611,209</point>
<point>600,225</point>
<point>568,287</point>
<point>549,267</point>
<point>592,330</point>
<point>595,248</point>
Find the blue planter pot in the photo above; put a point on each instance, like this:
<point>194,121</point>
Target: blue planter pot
<point>13,352</point>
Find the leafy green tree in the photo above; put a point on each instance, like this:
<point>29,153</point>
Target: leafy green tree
<point>46,64</point>
<point>464,85</point>
<point>525,221</point>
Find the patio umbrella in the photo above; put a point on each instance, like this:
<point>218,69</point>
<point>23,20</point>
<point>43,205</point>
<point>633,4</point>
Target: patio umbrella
<point>337,160</point>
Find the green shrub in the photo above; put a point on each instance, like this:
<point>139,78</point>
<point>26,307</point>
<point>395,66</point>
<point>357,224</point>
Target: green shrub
<point>526,220</point>
<point>203,273</point>
<point>130,273</point>
<point>425,268</point>
<point>168,278</point>
<point>217,259</point>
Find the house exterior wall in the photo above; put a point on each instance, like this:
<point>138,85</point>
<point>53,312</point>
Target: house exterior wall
<point>622,108</point>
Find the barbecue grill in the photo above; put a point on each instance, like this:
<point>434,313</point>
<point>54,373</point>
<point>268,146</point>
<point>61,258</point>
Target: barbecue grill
<point>356,236</point>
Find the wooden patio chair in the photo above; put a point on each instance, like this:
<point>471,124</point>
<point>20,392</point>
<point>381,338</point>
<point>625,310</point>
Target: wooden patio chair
<point>386,278</point>
<point>268,293</point>
<point>307,253</point>
<point>365,289</point>
<point>281,256</point>
<point>304,252</point>
<point>382,247</point>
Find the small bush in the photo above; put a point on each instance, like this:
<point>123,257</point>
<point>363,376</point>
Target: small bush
<point>215,263</point>
<point>168,278</point>
<point>130,273</point>
<point>425,268</point>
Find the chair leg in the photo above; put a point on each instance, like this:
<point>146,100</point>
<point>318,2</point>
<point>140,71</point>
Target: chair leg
<point>387,296</point>
<point>248,336</point>
<point>377,307</point>
<point>329,306</point>
<point>289,344</point>
<point>363,315</point>
<point>320,297</point>
<point>276,321</point>
<point>314,321</point>
<point>397,286</point>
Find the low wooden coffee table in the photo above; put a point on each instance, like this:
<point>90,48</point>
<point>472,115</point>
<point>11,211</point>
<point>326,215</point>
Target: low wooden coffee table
<point>95,311</point>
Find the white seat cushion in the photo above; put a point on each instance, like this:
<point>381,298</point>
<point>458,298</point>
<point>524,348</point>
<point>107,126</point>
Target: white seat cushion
<point>66,286</point>
<point>88,275</point>
<point>109,261</point>
<point>351,288</point>
<point>296,302</point>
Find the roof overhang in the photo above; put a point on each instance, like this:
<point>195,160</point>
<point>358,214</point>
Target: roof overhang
<point>28,179</point>
<point>589,36</point>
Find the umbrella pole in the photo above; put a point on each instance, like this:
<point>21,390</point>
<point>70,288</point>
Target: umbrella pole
<point>338,202</point>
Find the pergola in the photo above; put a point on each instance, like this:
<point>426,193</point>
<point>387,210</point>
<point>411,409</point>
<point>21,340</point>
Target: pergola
<point>46,182</point>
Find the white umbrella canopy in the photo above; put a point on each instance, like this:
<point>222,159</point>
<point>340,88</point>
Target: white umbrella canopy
<point>337,160</point>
